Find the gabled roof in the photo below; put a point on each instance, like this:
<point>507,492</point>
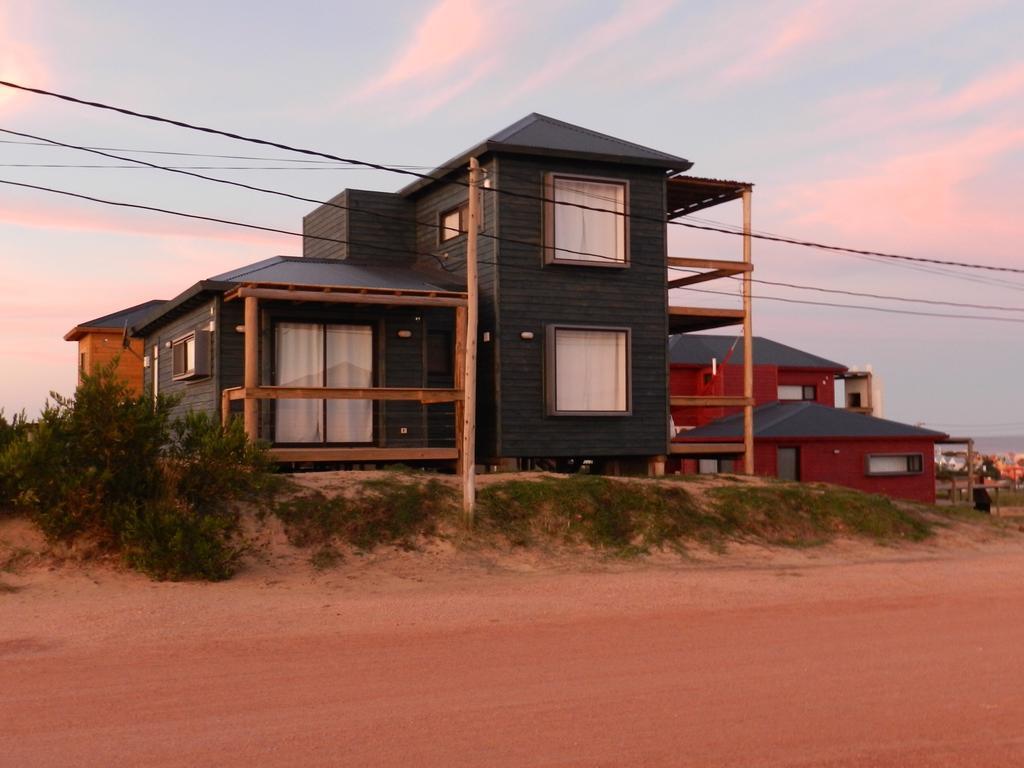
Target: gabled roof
<point>114,321</point>
<point>794,420</point>
<point>297,272</point>
<point>538,134</point>
<point>699,349</point>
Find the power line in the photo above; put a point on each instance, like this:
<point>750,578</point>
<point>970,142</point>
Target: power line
<point>187,167</point>
<point>843,292</point>
<point>277,230</point>
<point>429,177</point>
<point>868,308</point>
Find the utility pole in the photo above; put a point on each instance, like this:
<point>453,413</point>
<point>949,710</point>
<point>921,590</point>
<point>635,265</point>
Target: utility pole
<point>748,347</point>
<point>468,448</point>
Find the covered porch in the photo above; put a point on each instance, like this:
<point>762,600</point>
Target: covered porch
<point>350,373</point>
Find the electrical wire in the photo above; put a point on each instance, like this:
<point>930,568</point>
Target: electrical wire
<point>429,177</point>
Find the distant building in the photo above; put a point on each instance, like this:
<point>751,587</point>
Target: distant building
<point>102,339</point>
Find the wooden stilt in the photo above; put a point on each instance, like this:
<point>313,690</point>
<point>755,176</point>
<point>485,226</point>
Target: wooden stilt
<point>252,369</point>
<point>748,346</point>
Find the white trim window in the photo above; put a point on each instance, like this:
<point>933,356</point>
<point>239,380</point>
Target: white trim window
<point>581,235</point>
<point>895,464</point>
<point>190,356</point>
<point>797,392</point>
<point>588,371</point>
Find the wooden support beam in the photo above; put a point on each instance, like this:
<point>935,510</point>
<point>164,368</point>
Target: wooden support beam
<point>337,297</point>
<point>346,393</point>
<point>679,282</point>
<point>734,266</point>
<point>363,454</point>
<point>704,449</point>
<point>468,448</point>
<point>709,401</point>
<point>748,346</point>
<point>251,376</point>
<point>736,314</point>
<point>225,407</point>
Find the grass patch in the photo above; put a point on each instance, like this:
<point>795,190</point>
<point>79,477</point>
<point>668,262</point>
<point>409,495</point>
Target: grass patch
<point>390,510</point>
<point>807,515</point>
<point>325,558</point>
<point>621,516</point>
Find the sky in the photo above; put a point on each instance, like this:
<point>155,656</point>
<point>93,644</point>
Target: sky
<point>888,126</point>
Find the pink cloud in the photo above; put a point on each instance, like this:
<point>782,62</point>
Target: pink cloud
<point>59,216</point>
<point>921,200</point>
<point>631,18</point>
<point>19,62</point>
<point>438,97</point>
<point>452,32</point>
<point>774,46</point>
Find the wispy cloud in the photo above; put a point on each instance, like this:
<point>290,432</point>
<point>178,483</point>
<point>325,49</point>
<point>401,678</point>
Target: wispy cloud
<point>19,62</point>
<point>452,33</point>
<point>631,18</point>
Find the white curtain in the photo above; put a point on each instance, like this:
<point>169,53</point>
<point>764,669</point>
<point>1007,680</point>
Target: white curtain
<point>349,364</point>
<point>300,363</point>
<point>595,232</point>
<point>590,369</point>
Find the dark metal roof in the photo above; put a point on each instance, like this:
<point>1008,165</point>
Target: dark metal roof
<point>120,319</point>
<point>693,349</point>
<point>299,272</point>
<point>538,134</point>
<point>792,420</point>
<point>689,194</point>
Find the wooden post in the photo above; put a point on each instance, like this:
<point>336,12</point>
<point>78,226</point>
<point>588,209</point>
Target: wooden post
<point>970,471</point>
<point>252,365</point>
<point>748,347</point>
<point>468,451</point>
<point>460,381</point>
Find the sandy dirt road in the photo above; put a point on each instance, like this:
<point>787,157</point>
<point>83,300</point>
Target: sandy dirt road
<point>914,658</point>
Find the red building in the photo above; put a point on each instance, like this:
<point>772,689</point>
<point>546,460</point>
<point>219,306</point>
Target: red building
<point>799,434</point>
<point>706,365</point>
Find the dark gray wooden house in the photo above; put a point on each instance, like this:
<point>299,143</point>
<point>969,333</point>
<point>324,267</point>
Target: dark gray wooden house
<point>350,352</point>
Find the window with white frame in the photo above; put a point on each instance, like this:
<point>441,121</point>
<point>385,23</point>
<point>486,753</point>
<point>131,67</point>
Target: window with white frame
<point>190,356</point>
<point>895,464</point>
<point>588,370</point>
<point>453,222</point>
<point>797,392</point>
<point>575,232</point>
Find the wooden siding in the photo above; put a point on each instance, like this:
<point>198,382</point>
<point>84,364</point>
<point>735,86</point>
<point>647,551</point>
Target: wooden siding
<point>452,255</point>
<point>534,295</point>
<point>196,395</point>
<point>97,349</point>
<point>326,221</point>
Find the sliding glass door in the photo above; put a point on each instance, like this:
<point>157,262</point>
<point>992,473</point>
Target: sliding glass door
<point>315,355</point>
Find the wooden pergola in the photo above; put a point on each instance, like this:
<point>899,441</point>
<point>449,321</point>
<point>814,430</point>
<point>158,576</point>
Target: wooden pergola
<point>253,391</point>
<point>685,195</point>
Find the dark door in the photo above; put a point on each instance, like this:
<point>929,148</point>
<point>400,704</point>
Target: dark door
<point>788,464</point>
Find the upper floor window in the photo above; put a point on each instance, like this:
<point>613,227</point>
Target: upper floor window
<point>797,392</point>
<point>453,222</point>
<point>582,235</point>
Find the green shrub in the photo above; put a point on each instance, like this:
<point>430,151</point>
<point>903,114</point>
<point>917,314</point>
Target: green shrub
<point>111,465</point>
<point>385,511</point>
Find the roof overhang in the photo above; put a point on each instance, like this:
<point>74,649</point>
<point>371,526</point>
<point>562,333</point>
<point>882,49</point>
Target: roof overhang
<point>689,194</point>
<point>179,305</point>
<point>80,331</point>
<point>460,163</point>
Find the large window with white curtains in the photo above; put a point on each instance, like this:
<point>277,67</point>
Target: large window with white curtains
<point>585,221</point>
<point>317,355</point>
<point>588,370</point>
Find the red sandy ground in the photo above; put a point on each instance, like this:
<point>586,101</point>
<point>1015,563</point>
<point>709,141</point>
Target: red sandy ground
<point>852,655</point>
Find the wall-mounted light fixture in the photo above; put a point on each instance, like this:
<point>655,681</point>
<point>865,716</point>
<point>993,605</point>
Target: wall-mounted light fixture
<point>526,335</point>
<point>405,334</point>
<point>487,336</point>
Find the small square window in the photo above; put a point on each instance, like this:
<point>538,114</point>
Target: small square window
<point>797,392</point>
<point>190,356</point>
<point>453,223</point>
<point>585,221</point>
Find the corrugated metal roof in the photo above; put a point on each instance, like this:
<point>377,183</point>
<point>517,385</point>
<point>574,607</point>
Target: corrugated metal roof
<point>698,349</point>
<point>543,135</point>
<point>792,420</point>
<point>298,270</point>
<point>543,132</point>
<point>119,318</point>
